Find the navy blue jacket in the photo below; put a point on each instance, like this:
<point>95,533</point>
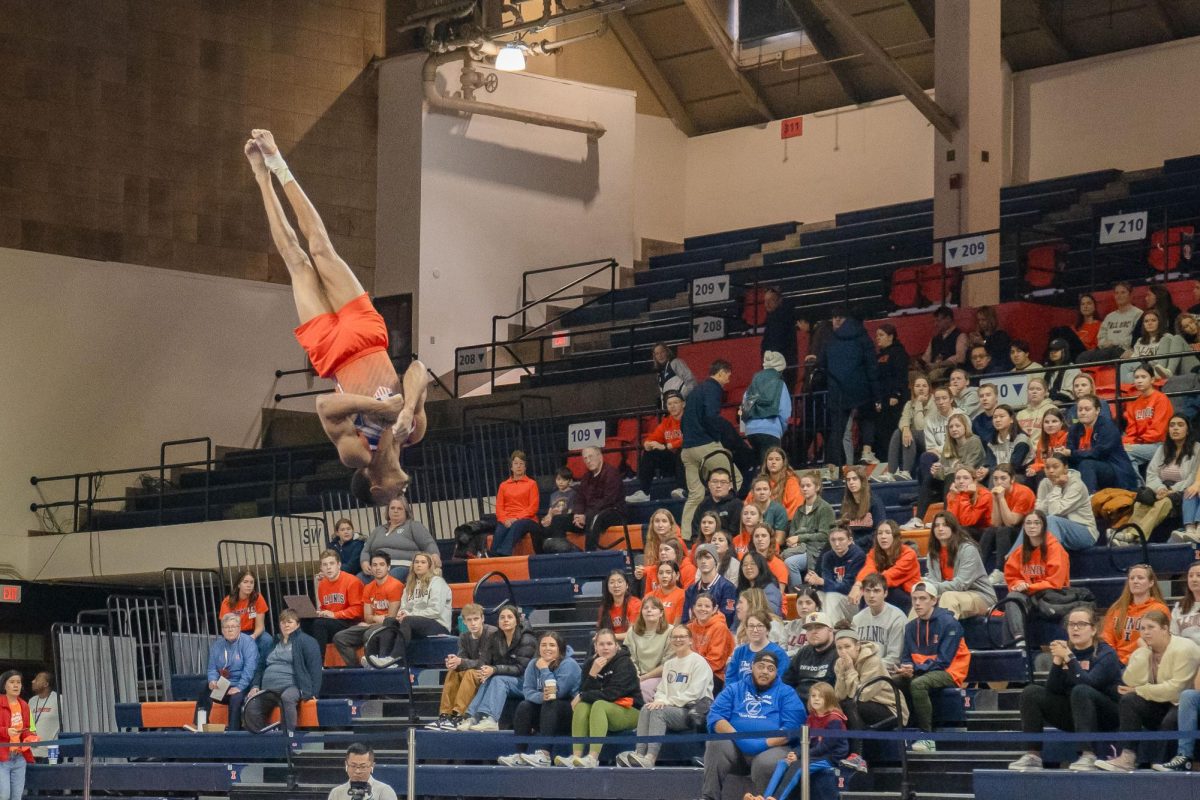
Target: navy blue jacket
<point>306,665</point>
<point>724,595</point>
<point>1106,448</point>
<point>840,572</point>
<point>849,362</point>
<point>1097,667</point>
<point>702,422</point>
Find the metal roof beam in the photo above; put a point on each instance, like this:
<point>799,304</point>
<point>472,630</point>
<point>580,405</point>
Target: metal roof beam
<point>817,31</point>
<point>648,67</point>
<point>715,31</point>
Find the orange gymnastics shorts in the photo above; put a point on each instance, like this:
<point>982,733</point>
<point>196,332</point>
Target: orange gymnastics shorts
<point>335,339</point>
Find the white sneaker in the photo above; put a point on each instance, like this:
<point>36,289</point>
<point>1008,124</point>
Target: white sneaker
<point>637,497</point>
<point>192,728</point>
<point>485,724</point>
<point>537,759</point>
<point>902,475</point>
<point>381,662</point>
<point>1027,763</point>
<point>586,762</point>
<point>622,759</point>
<point>924,746</point>
<point>877,476</point>
<point>914,524</point>
<point>679,494</point>
<point>564,761</point>
<point>467,723</point>
<point>514,760</point>
<point>996,578</point>
<point>1085,763</point>
<point>868,456</point>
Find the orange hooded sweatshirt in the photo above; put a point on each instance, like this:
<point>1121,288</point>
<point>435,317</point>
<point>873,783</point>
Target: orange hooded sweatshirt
<point>713,640</point>
<point>977,514</point>
<point>904,573</point>
<point>1124,638</point>
<point>1053,573</point>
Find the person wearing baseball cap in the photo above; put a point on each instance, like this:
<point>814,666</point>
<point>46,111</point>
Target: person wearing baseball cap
<point>814,661</point>
<point>934,656</point>
<point>710,580</point>
<point>661,448</point>
<point>756,701</point>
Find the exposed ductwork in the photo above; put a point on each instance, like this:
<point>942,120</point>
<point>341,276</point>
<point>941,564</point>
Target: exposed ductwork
<point>472,79</point>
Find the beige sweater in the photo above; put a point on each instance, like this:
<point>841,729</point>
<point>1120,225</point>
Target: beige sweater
<point>868,667</point>
<point>1176,671</point>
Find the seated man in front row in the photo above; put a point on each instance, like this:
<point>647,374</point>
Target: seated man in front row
<point>380,601</point>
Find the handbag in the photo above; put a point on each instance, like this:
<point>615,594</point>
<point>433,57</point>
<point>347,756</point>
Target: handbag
<point>1054,604</point>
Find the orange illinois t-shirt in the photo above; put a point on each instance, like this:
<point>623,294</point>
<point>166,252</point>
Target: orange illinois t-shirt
<point>247,614</point>
<point>380,598</point>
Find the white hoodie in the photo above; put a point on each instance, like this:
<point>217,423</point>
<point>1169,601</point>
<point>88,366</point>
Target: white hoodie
<point>684,680</point>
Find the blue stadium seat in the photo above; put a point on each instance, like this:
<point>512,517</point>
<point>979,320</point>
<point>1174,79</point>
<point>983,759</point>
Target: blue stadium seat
<point>761,234</point>
<point>581,566</point>
<point>722,253</point>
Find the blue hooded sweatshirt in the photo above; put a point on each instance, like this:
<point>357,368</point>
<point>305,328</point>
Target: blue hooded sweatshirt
<point>568,675</point>
<point>748,708</point>
<point>840,572</point>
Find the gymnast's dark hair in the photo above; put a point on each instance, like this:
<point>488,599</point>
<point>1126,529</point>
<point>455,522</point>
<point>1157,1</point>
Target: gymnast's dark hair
<point>360,487</point>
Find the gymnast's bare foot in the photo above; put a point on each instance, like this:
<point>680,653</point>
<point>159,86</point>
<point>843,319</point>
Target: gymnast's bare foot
<point>255,157</point>
<point>266,141</point>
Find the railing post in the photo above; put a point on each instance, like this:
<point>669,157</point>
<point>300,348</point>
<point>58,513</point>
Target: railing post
<point>87,762</point>
<point>412,757</point>
<point>805,787</point>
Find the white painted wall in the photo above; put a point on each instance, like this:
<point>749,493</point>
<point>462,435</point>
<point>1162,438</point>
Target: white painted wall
<point>1129,110</point>
<point>660,169</point>
<point>103,361</point>
<point>499,197</point>
<point>846,159</point>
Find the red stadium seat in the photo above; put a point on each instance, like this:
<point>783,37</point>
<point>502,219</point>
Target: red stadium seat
<point>938,285</point>
<point>1042,265</point>
<point>904,293</point>
<point>1167,245</point>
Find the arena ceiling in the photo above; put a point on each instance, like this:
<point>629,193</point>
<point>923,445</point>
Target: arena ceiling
<point>706,85</point>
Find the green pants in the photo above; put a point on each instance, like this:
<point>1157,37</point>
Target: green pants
<point>597,719</point>
<point>918,690</point>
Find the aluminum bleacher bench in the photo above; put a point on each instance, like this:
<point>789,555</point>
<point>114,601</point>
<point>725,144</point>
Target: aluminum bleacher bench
<point>172,745</point>
<point>173,779</point>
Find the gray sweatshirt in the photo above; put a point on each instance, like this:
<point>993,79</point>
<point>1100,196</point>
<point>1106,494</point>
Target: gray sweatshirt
<point>401,543</point>
<point>1071,501</point>
<point>969,574</point>
<point>886,630</point>
<point>435,602</point>
<point>1117,328</point>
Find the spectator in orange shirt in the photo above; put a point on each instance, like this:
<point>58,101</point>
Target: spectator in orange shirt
<point>970,503</point>
<point>894,560</point>
<point>1146,418</point>
<point>751,519</point>
<point>1039,564</point>
<point>246,601</point>
<point>660,453</point>
<point>669,591</point>
<point>1010,503</point>
<point>785,486</point>
<point>380,600</point>
<point>711,637</point>
<point>1122,623</point>
<point>618,607</point>
<point>517,502</point>
<point>339,601</point>
<point>661,527</point>
<point>762,541</point>
<point>673,550</point>
<point>1052,440</point>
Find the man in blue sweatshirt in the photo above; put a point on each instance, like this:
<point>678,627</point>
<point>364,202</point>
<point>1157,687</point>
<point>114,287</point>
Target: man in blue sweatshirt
<point>702,428</point>
<point>756,702</point>
<point>935,656</point>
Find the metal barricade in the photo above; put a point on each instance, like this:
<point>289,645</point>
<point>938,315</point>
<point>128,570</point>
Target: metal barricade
<point>193,597</point>
<point>95,672</point>
<point>142,622</point>
<point>340,505</point>
<point>443,492</point>
<point>235,556</point>
<point>298,543</point>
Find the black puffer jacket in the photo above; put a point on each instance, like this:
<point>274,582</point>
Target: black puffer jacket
<point>617,679</point>
<point>511,658</point>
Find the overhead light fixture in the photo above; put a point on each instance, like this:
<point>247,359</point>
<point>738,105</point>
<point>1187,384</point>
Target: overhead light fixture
<point>511,58</point>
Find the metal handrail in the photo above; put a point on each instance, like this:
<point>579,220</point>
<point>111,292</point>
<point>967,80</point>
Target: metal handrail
<point>526,303</point>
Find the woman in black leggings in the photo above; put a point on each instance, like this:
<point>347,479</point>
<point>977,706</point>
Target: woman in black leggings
<point>551,681</point>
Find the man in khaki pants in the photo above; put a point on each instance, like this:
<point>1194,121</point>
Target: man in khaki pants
<point>702,427</point>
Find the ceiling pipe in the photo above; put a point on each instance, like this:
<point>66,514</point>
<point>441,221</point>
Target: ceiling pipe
<point>464,105</point>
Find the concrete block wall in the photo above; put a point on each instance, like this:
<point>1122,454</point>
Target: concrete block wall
<point>124,121</point>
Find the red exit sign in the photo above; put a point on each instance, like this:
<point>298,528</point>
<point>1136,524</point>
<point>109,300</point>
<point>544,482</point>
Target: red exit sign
<point>10,593</point>
<point>790,128</point>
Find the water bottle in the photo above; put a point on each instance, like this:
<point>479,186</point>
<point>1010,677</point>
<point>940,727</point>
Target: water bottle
<point>52,754</point>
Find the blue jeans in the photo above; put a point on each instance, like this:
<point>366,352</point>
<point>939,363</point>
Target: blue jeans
<point>489,700</point>
<point>1071,534</point>
<point>1191,510</point>
<point>12,776</point>
<point>1189,704</point>
<point>797,567</point>
<point>505,536</point>
<point>1141,454</point>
